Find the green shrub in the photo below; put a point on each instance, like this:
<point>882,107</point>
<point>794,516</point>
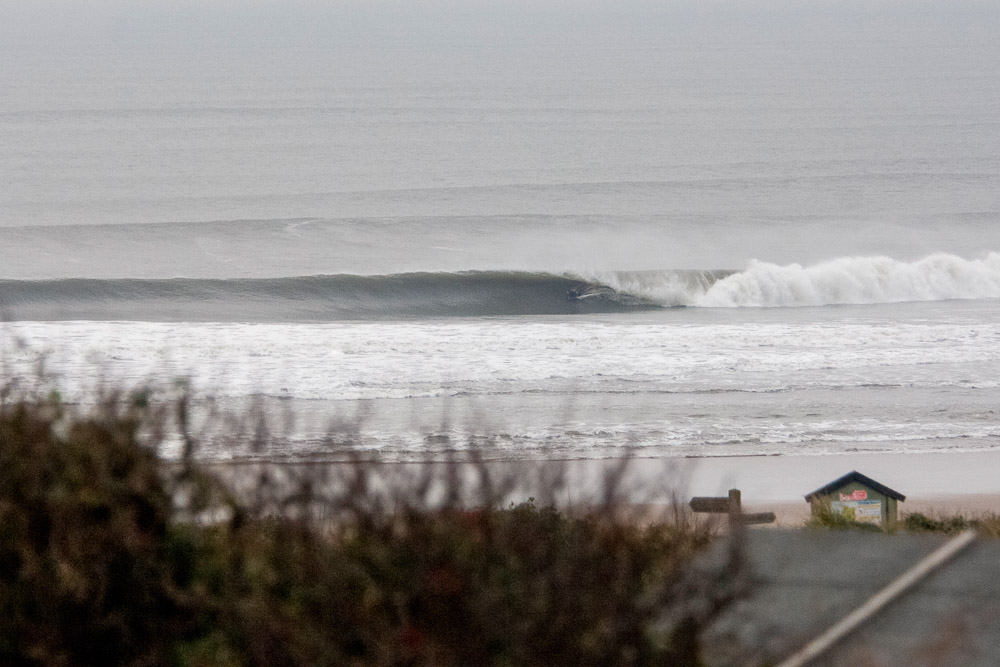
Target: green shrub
<point>920,523</point>
<point>110,555</point>
<point>506,587</point>
<point>85,577</point>
<point>987,525</point>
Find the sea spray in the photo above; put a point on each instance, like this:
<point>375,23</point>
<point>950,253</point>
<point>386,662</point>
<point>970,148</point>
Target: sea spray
<point>671,288</point>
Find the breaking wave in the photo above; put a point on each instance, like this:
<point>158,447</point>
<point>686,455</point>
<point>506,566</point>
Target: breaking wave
<point>858,280</point>
<point>847,280</point>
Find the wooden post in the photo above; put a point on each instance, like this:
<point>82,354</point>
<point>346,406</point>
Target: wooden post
<point>735,507</point>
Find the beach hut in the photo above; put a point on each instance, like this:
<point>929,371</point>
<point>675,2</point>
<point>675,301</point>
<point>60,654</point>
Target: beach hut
<point>857,497</point>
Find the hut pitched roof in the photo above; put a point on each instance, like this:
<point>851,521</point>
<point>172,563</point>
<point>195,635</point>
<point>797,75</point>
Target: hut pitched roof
<point>855,476</point>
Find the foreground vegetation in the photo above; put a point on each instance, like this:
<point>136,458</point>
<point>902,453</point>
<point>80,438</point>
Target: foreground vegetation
<point>110,555</point>
<point>986,525</point>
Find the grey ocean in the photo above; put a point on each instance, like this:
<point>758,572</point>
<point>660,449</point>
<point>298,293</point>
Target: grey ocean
<point>671,233</point>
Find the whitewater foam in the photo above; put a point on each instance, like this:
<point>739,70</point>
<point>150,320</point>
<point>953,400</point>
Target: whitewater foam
<point>738,381</point>
<point>840,281</point>
<point>856,280</point>
<point>370,360</point>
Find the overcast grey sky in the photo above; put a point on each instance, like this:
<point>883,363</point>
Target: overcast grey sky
<point>226,23</point>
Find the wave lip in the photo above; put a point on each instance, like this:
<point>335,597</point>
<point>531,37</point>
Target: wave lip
<point>857,280</point>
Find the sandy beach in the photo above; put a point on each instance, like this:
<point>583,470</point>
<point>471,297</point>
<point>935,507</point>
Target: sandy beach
<point>951,483</point>
<point>936,484</point>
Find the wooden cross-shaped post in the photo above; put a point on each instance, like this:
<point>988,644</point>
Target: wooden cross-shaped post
<point>731,505</point>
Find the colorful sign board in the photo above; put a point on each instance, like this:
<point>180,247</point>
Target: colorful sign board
<point>864,510</point>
